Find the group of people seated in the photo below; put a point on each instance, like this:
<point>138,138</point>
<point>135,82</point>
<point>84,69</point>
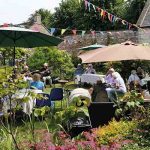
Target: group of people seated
<point>114,83</point>
<point>36,79</point>
<point>80,70</point>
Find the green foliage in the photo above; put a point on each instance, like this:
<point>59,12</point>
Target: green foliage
<point>115,131</point>
<point>8,54</point>
<point>133,10</point>
<point>72,111</point>
<point>130,102</point>
<point>134,146</point>
<point>60,61</point>
<point>71,14</point>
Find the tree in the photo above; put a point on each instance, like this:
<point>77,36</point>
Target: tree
<point>7,54</point>
<point>72,14</point>
<point>59,61</point>
<point>133,9</point>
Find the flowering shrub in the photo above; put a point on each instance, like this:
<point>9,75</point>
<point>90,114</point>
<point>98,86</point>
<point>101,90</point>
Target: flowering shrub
<point>114,132</point>
<point>64,142</point>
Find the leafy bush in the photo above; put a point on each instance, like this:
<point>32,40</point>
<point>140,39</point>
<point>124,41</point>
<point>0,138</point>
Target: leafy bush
<point>130,102</point>
<point>115,131</point>
<point>60,61</point>
<point>134,146</point>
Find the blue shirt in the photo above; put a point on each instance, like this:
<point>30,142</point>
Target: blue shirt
<point>37,84</point>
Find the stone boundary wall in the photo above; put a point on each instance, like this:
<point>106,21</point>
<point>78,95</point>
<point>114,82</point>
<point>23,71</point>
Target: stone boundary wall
<point>72,43</point>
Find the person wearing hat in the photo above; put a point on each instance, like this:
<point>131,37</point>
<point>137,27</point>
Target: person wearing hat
<point>46,74</point>
<point>108,77</point>
<point>90,69</point>
<point>133,80</point>
<point>77,74</point>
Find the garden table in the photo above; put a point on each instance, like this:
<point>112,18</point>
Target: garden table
<point>145,80</point>
<point>92,78</point>
<point>27,106</point>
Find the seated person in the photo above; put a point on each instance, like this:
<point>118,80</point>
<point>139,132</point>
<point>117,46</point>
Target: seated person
<point>45,73</point>
<point>15,72</point>
<point>108,78</point>
<point>118,88</point>
<point>90,69</point>
<point>83,93</point>
<point>37,84</point>
<point>134,80</point>
<point>140,73</point>
<point>78,72</point>
<point>25,70</point>
<point>99,92</point>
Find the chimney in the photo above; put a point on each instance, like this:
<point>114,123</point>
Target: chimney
<point>37,18</point>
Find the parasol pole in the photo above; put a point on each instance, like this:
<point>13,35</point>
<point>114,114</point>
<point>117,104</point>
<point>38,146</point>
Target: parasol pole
<point>14,57</point>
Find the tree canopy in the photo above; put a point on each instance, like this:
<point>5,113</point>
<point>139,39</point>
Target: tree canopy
<point>72,14</point>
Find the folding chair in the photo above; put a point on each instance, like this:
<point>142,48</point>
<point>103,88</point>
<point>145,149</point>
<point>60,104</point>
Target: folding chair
<point>43,102</point>
<point>56,94</point>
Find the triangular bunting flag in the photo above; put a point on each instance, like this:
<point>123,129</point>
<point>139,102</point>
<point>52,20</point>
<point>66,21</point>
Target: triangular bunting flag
<point>94,7</point>
<point>83,32</point>
<point>129,26</point>
<point>109,33</point>
<point>110,17</point>
<point>52,30</point>
<point>89,5</point>
<point>101,33</point>
<point>63,31</point>
<point>123,22</point>
<point>86,4</point>
<point>93,33</point>
<point>74,31</point>
<point>5,25</point>
<point>102,11</point>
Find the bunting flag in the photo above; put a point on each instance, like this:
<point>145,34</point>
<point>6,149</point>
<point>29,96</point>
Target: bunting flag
<point>52,30</point>
<point>83,32</point>
<point>86,4</point>
<point>74,31</point>
<point>89,6</point>
<point>94,7</point>
<point>112,18</point>
<point>101,33</point>
<point>5,25</point>
<point>63,31</point>
<point>124,22</point>
<point>93,33</point>
<point>109,33</point>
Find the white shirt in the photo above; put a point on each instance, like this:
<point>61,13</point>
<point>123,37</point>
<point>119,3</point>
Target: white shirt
<point>133,77</point>
<point>109,79</point>
<point>120,82</point>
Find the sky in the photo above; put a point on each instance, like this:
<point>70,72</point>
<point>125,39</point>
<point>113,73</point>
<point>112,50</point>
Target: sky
<point>18,11</point>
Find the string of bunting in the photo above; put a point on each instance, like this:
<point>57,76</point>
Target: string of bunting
<point>103,13</point>
<point>112,18</point>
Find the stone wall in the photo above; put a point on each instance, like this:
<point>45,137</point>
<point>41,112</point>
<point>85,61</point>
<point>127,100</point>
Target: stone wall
<point>144,35</point>
<point>72,43</point>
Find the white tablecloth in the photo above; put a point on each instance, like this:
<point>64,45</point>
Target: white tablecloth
<point>27,106</point>
<point>92,78</point>
<point>144,81</point>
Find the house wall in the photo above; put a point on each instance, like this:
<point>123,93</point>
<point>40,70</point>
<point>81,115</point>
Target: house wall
<point>144,35</point>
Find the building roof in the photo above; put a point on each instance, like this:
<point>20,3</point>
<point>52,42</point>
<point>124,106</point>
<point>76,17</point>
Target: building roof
<point>144,19</point>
